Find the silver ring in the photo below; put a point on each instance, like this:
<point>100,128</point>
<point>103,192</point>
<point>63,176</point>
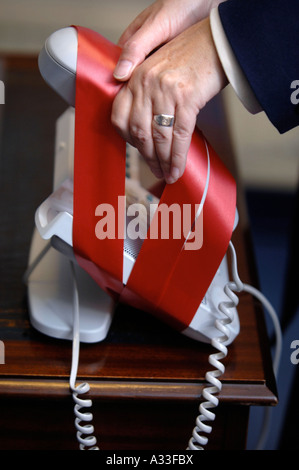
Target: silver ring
<point>165,120</point>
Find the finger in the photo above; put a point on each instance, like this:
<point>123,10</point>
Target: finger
<point>127,118</point>
<point>182,134</point>
<point>136,49</point>
<point>162,137</point>
<point>121,111</point>
<point>140,129</point>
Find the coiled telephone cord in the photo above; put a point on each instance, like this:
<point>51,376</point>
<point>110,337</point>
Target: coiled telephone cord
<point>197,441</point>
<point>83,419</point>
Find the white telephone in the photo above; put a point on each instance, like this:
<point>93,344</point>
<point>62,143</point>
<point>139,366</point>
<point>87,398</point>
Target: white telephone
<point>55,307</point>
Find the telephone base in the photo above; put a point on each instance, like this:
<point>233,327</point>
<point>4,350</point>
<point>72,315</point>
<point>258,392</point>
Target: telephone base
<point>50,296</point>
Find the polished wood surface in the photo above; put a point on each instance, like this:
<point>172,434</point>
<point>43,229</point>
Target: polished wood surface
<point>145,378</point>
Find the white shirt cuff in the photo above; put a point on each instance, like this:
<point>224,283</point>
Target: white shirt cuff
<point>230,65</point>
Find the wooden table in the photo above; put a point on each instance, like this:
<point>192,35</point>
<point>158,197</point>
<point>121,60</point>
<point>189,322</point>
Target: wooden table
<point>145,378</point>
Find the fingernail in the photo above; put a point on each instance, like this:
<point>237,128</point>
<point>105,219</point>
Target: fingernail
<point>173,176</point>
<point>175,173</point>
<point>169,179</point>
<point>122,68</point>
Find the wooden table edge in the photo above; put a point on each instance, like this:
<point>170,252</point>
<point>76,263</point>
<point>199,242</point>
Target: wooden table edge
<point>238,393</point>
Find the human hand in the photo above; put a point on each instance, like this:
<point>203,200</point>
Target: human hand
<point>156,25</point>
<point>178,79</point>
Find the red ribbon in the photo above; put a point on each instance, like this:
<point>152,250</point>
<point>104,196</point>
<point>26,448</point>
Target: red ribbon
<point>167,279</point>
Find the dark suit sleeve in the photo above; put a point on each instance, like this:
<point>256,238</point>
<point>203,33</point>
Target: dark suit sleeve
<point>264,35</point>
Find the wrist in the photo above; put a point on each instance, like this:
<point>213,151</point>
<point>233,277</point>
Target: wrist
<point>218,77</point>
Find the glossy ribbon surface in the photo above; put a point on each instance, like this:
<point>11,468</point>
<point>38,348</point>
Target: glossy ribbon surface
<point>167,279</point>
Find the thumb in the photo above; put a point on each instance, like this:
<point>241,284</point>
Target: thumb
<point>136,49</point>
<point>132,55</point>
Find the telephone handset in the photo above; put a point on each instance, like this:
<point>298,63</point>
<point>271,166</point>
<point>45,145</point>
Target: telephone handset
<point>87,311</point>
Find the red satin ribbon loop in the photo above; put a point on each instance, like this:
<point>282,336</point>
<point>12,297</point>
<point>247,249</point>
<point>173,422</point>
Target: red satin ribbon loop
<point>167,279</point>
